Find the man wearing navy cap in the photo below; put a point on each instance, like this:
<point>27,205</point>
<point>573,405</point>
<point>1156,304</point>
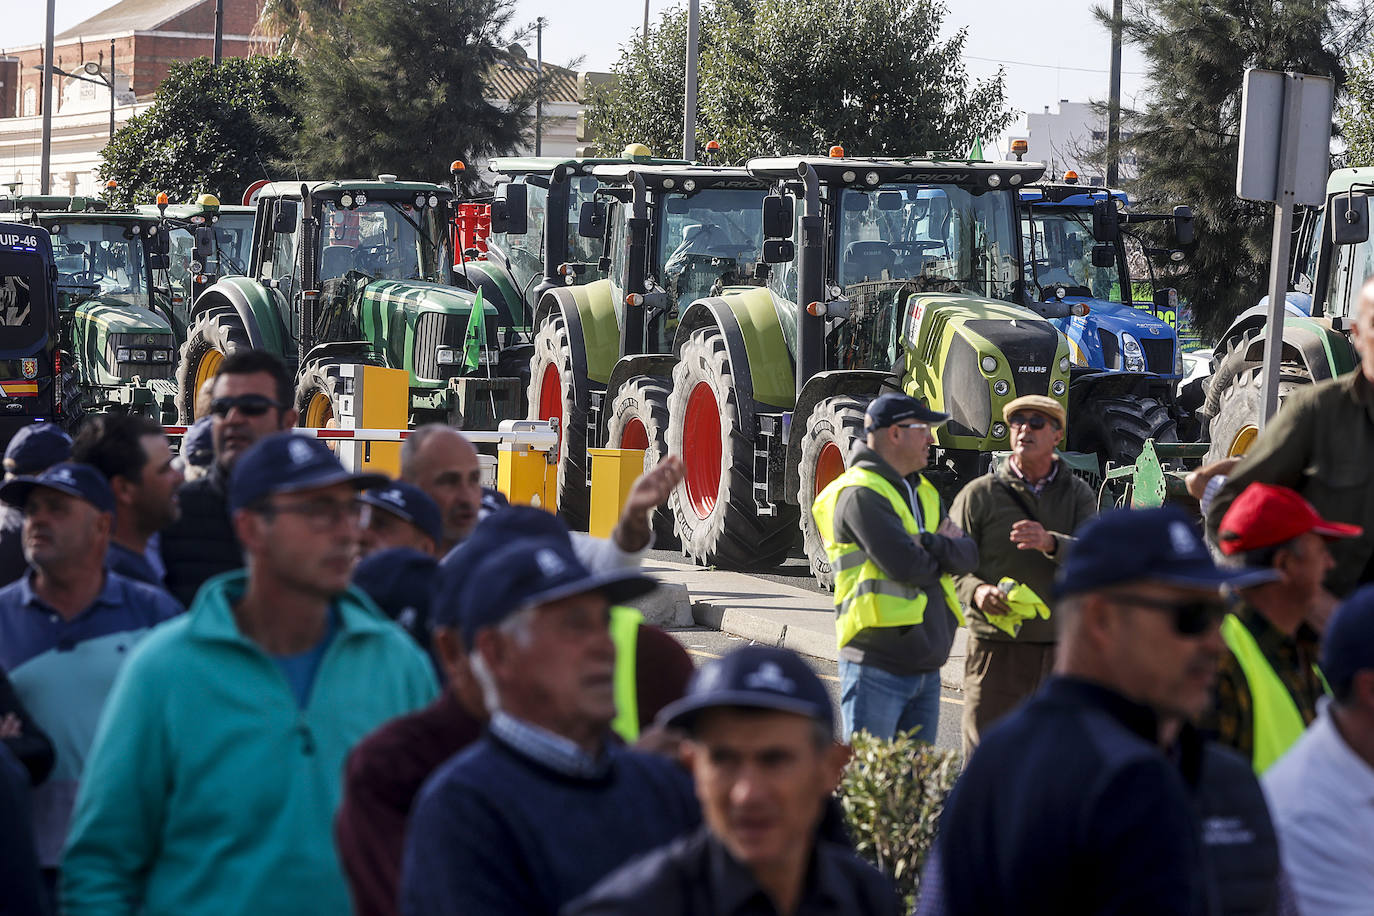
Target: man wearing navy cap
<point>894,553</point>
<point>1321,792</point>
<point>32,450</point>
<point>762,750</point>
<point>1068,805</point>
<point>68,625</point>
<point>545,804</point>
<point>212,787</point>
<point>399,514</point>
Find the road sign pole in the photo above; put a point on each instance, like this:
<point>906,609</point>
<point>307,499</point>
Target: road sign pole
<point>1283,226</point>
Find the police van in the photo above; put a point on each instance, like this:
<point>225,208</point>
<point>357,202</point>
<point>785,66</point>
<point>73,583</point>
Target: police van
<point>29,359</point>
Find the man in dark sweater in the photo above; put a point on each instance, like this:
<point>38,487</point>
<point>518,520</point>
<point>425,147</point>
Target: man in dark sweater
<point>252,398</point>
<point>545,804</point>
<point>1069,806</point>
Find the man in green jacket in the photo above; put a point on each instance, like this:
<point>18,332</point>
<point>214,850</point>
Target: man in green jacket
<point>218,762</point>
<point>1022,517</point>
<point>1319,445</point>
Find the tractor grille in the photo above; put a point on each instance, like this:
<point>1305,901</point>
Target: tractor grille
<point>432,331</point>
<point>1159,355</point>
<point>966,391</point>
<point>1111,356</point>
<point>1029,348</point>
<point>149,347</point>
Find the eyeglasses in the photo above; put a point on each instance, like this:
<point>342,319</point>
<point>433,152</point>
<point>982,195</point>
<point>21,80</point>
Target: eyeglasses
<point>319,514</point>
<point>1190,618</point>
<point>250,405</point>
<point>912,425</point>
<point>1033,420</point>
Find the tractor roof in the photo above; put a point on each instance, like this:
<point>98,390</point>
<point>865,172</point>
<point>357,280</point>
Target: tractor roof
<point>674,176</point>
<point>118,217</point>
<point>545,165</point>
<point>1069,195</point>
<point>1342,180</point>
<point>368,185</point>
<point>190,211</point>
<point>855,171</point>
<point>52,202</point>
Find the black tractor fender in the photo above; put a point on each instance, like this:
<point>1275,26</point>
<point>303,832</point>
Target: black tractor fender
<point>856,382</point>
<point>223,294</point>
<point>1303,344</point>
<point>1103,384</point>
<point>344,351</point>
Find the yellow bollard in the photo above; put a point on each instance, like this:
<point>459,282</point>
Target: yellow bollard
<point>525,476</point>
<point>614,471</point>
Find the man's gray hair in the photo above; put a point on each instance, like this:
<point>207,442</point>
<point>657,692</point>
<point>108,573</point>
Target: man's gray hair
<point>517,627</point>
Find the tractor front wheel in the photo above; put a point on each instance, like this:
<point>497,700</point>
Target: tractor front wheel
<point>557,392</point>
<point>639,419</point>
<point>1116,428</point>
<point>317,395</point>
<point>710,424</point>
<point>832,430</point>
<point>1236,425</point>
<point>215,334</point>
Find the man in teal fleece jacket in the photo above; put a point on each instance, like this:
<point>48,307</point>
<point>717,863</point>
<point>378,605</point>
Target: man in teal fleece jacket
<point>218,761</point>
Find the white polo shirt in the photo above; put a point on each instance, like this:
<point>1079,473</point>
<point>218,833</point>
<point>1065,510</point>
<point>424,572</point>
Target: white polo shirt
<point>1321,797</point>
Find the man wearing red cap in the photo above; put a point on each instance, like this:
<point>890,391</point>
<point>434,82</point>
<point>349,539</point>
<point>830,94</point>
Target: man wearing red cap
<point>1268,685</point>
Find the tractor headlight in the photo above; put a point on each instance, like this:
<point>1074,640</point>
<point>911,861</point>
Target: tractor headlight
<point>122,355</point>
<point>447,356</point>
<point>989,364</point>
<point>1133,356</point>
<point>162,356</point>
<point>999,430</point>
<point>140,356</point>
<point>1000,387</point>
<point>872,178</point>
<point>847,176</point>
<point>420,201</point>
<point>1179,368</point>
<point>360,199</point>
<point>1063,364</point>
<point>1058,387</point>
<point>346,201</point>
<point>689,185</point>
<point>434,200</point>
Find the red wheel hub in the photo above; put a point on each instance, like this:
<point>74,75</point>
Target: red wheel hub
<point>829,465</point>
<point>701,447</point>
<point>551,398</point>
<point>635,435</point>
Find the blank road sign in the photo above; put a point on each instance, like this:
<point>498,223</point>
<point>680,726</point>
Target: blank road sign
<point>1259,173</point>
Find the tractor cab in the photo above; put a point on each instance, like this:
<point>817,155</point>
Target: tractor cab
<point>206,240</point>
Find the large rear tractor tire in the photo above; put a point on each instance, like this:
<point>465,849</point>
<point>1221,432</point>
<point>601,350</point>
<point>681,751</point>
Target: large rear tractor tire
<point>832,430</point>
<point>215,334</point>
<point>710,424</point>
<point>639,419</point>
<point>1116,428</point>
<point>557,392</point>
<point>1236,425</point>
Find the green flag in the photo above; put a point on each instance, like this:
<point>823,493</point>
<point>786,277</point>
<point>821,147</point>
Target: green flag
<point>975,152</point>
<point>476,337</point>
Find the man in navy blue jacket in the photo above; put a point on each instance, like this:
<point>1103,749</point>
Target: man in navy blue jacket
<point>1068,806</point>
<point>545,804</point>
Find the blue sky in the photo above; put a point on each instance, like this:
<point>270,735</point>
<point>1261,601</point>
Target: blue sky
<point>1050,50</point>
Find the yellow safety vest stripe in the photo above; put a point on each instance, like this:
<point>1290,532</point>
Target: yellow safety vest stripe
<point>864,595</point>
<point>625,623</point>
<point>1277,722</point>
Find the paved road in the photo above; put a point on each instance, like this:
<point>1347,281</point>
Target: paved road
<point>794,572</point>
<point>704,644</point>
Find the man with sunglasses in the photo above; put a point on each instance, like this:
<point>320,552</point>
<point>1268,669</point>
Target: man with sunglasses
<point>894,552</point>
<point>1069,806</point>
<point>219,765</point>
<point>1022,515</point>
<point>251,398</point>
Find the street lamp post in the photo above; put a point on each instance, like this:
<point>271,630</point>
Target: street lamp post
<point>95,73</point>
<point>539,98</point>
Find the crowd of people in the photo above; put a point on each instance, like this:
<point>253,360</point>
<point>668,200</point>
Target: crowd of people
<point>239,678</point>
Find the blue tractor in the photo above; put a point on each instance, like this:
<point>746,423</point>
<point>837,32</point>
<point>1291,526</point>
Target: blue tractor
<point>1123,341</point>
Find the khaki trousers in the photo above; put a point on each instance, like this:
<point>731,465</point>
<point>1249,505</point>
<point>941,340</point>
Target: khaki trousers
<point>998,675</point>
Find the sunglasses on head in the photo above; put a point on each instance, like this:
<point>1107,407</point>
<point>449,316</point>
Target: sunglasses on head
<point>1033,420</point>
<point>1189,618</point>
<point>250,405</point>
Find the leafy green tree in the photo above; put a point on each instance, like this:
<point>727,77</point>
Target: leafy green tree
<point>1186,136</point>
<point>1357,113</point>
<point>401,86</point>
<point>796,76</point>
<point>208,129</point>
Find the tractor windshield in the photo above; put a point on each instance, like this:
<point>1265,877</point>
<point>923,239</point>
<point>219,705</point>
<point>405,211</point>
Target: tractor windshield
<point>1059,250</point>
<point>381,240</point>
<point>233,243</point>
<point>709,240</point>
<point>936,237</point>
<point>100,259</point>
<point>582,250</point>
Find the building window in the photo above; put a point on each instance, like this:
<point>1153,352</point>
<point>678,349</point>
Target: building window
<point>30,102</point>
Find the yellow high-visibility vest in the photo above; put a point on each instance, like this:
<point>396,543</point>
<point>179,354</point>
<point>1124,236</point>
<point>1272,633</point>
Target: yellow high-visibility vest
<point>625,623</point>
<point>1277,722</point>
<point>864,595</point>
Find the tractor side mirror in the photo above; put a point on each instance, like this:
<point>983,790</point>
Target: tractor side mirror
<point>285,216</point>
<point>1104,256</point>
<point>1166,301</point>
<point>591,219</point>
<point>162,241</point>
<point>1349,219</point>
<point>777,251</point>
<point>1106,221</point>
<point>509,210</point>
<point>779,214</point>
<point>1183,226</point>
<point>205,244</point>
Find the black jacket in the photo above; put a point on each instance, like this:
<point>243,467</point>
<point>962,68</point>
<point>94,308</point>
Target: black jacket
<point>31,746</point>
<point>201,543</point>
<point>865,517</point>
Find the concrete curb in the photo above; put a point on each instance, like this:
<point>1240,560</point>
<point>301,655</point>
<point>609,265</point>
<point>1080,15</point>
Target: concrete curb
<point>667,606</point>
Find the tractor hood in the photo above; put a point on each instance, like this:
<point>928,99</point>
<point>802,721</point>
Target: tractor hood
<point>112,316</point>
<point>418,296</point>
<point>1096,340</point>
<point>115,342</point>
<point>969,356</point>
<point>412,321</point>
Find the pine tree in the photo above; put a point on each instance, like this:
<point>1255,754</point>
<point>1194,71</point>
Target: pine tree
<point>401,86</point>
<point>1187,135</point>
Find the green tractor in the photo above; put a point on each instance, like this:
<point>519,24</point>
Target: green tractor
<point>666,235</point>
<point>207,240</point>
<point>1333,257</point>
<point>353,272</point>
<point>116,346</point>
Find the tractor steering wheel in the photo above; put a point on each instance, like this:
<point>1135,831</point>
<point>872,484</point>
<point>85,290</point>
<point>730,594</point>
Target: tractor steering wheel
<point>373,255</point>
